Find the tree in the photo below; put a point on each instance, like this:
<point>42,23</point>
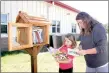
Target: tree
<point>106,26</point>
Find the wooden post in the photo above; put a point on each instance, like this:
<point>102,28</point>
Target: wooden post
<point>33,64</point>
<point>33,51</point>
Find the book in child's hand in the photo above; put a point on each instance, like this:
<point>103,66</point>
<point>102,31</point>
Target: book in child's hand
<point>73,52</point>
<point>60,56</point>
<point>57,54</point>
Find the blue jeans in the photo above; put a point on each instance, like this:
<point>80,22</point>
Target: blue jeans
<point>101,69</point>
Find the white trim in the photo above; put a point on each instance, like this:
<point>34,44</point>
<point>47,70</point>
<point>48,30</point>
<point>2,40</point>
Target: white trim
<point>4,13</point>
<point>3,23</point>
<point>4,35</point>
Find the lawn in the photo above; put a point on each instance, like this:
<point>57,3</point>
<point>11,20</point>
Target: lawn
<point>46,63</point>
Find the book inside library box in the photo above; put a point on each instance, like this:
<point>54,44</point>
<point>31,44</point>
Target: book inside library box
<point>29,31</point>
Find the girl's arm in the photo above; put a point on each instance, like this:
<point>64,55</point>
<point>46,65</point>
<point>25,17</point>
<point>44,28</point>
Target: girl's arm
<point>65,61</point>
<point>70,58</point>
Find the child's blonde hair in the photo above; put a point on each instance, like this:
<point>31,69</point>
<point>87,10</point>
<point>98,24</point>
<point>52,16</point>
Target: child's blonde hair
<point>72,39</point>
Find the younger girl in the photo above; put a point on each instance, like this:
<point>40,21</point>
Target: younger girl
<point>66,66</point>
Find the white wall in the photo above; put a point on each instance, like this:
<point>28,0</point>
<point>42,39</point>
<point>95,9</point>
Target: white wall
<point>39,8</point>
<point>35,8</point>
<point>73,15</point>
<point>58,13</point>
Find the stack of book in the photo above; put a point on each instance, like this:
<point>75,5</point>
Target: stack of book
<point>37,35</point>
<point>62,56</point>
<point>57,54</point>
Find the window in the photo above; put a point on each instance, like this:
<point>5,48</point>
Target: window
<point>73,28</point>
<point>55,26</point>
<point>4,23</point>
<point>58,26</point>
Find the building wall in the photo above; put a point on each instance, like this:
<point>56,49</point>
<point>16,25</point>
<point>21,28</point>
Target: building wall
<point>66,17</point>
<point>40,8</point>
<point>37,8</point>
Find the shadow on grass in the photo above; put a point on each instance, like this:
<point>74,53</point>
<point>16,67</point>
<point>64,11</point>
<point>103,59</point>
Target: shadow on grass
<point>4,53</point>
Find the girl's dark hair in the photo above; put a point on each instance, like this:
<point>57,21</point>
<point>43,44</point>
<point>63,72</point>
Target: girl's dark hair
<point>88,21</point>
<point>71,38</point>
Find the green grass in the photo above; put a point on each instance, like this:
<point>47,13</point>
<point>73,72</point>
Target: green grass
<point>19,61</point>
<point>46,63</point>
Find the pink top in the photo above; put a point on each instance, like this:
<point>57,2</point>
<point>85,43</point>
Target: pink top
<point>66,65</point>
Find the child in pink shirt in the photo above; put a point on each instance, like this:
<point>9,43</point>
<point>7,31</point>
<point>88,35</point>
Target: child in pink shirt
<point>66,66</point>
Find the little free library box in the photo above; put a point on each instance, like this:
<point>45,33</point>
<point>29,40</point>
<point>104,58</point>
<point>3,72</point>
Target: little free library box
<point>31,34</point>
<point>24,37</point>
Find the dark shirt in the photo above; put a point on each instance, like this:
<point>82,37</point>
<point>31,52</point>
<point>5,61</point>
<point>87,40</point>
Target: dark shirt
<point>97,39</point>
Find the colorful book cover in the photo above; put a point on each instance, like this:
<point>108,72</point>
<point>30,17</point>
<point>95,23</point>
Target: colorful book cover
<point>37,35</point>
<point>57,54</point>
<point>62,56</point>
<point>73,52</point>
<point>34,38</point>
<point>40,34</point>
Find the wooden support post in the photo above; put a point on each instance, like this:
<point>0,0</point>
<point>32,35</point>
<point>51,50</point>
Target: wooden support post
<point>34,64</point>
<point>33,52</point>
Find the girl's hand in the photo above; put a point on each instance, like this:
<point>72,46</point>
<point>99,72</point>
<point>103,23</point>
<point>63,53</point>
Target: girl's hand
<point>82,52</point>
<point>57,60</point>
<point>65,61</point>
